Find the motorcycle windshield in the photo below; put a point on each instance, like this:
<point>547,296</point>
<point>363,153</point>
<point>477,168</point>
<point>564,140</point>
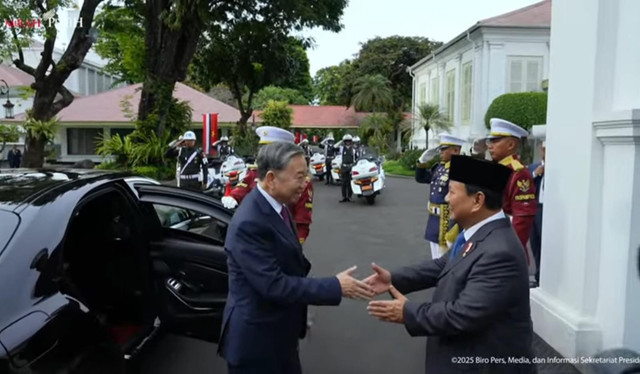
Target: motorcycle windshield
<point>368,153</point>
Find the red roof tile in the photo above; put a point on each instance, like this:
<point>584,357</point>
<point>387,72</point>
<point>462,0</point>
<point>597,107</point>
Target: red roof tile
<point>14,76</point>
<point>107,107</point>
<point>325,116</point>
<point>538,14</point>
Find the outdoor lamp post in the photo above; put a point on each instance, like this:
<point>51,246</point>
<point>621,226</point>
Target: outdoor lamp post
<point>8,106</point>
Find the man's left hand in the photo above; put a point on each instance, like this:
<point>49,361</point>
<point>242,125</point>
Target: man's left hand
<point>389,310</point>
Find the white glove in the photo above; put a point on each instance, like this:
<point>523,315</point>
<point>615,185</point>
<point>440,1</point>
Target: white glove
<point>229,202</point>
<point>428,155</point>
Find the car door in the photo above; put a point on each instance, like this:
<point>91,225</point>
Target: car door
<point>187,231</point>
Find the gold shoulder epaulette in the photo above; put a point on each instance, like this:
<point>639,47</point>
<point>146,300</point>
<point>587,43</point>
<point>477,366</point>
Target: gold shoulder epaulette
<point>516,165</point>
<point>252,166</point>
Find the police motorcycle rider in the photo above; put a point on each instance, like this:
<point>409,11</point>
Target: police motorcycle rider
<point>357,146</point>
<point>304,144</point>
<point>330,152</point>
<point>192,162</point>
<point>349,157</point>
<point>222,147</point>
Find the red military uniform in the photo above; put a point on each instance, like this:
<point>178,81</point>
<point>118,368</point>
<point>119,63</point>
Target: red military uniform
<point>520,199</point>
<point>301,211</point>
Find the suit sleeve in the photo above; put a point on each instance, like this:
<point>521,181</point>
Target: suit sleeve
<point>423,174</point>
<point>418,277</point>
<point>302,213</point>
<point>251,249</point>
<point>490,286</point>
<point>522,192</point>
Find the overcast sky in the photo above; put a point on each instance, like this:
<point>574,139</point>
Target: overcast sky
<point>439,20</point>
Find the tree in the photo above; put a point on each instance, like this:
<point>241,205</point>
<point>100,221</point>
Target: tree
<point>430,118</point>
<point>330,84</point>
<point>121,40</point>
<point>390,57</point>
<point>273,93</point>
<point>50,94</point>
<point>372,93</point>
<point>277,114</point>
<point>174,28</point>
<point>8,134</point>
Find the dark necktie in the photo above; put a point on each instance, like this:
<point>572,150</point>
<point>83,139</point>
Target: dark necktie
<point>457,245</point>
<point>285,216</point>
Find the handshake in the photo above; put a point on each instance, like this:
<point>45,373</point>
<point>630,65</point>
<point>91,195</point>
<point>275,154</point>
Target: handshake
<point>377,283</point>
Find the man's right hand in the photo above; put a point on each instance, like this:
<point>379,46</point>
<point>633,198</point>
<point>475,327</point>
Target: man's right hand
<point>428,155</point>
<point>229,202</point>
<point>353,288</point>
<point>380,280</point>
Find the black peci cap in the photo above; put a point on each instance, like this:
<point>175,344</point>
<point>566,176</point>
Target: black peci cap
<point>480,173</point>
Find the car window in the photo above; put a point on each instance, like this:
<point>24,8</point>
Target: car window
<point>188,220</point>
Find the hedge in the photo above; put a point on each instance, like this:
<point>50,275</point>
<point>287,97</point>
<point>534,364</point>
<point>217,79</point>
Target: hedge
<point>525,109</point>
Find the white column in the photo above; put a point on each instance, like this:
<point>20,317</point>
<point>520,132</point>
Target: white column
<point>478,127</point>
<point>497,72</point>
<point>589,295</point>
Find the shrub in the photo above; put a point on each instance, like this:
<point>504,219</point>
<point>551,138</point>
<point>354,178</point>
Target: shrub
<point>525,109</point>
<point>156,172</point>
<point>277,114</point>
<point>409,158</point>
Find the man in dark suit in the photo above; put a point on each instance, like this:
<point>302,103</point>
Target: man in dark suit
<point>537,172</point>
<point>479,318</point>
<point>269,289</point>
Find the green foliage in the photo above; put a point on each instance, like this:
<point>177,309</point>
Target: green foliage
<point>244,141</point>
<point>331,84</point>
<point>118,147</point>
<point>394,167</point>
<point>147,148</point>
<point>525,109</point>
<point>372,93</point>
<point>409,158</point>
<point>9,134</point>
<point>43,130</point>
<point>164,172</point>
<point>109,165</point>
<point>121,40</point>
<point>277,114</point>
<point>288,95</point>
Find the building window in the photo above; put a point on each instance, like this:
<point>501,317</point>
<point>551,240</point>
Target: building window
<point>91,78</point>
<point>100,83</point>
<point>450,95</point>
<point>423,92</point>
<point>525,74</point>
<point>467,91</point>
<point>83,141</point>
<point>121,132</point>
<point>434,96</point>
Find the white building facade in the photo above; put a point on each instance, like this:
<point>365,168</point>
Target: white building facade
<point>589,294</point>
<point>507,53</point>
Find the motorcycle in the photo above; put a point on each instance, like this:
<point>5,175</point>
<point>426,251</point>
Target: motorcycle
<point>336,164</point>
<point>367,176</point>
<point>317,166</point>
<point>233,169</point>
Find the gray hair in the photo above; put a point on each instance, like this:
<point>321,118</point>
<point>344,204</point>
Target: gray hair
<point>276,156</point>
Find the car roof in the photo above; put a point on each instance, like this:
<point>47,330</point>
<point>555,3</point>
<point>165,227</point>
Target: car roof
<point>27,186</point>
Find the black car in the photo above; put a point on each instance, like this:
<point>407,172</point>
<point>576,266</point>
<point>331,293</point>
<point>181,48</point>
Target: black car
<point>93,264</point>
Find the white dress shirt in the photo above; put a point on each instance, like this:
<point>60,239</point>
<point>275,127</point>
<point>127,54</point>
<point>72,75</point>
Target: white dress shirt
<point>468,233</point>
<point>273,202</point>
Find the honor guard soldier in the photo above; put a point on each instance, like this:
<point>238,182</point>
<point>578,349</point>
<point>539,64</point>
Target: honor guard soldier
<point>302,210</point>
<point>192,162</point>
<point>438,223</point>
<point>519,202</point>
<point>348,153</point>
<point>329,154</point>
<point>222,147</point>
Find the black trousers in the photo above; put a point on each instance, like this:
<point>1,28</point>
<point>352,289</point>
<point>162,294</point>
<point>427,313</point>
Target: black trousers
<point>536,239</point>
<point>345,179</point>
<point>327,166</point>
<point>288,366</point>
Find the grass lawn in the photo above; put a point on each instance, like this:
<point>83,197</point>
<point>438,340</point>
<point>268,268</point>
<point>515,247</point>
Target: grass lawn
<point>393,167</point>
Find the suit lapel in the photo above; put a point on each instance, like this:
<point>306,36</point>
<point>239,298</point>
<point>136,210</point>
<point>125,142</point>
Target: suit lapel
<point>277,220</point>
<point>471,245</point>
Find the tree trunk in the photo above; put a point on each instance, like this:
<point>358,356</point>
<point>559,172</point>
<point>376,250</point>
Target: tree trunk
<point>169,53</point>
<point>426,136</point>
